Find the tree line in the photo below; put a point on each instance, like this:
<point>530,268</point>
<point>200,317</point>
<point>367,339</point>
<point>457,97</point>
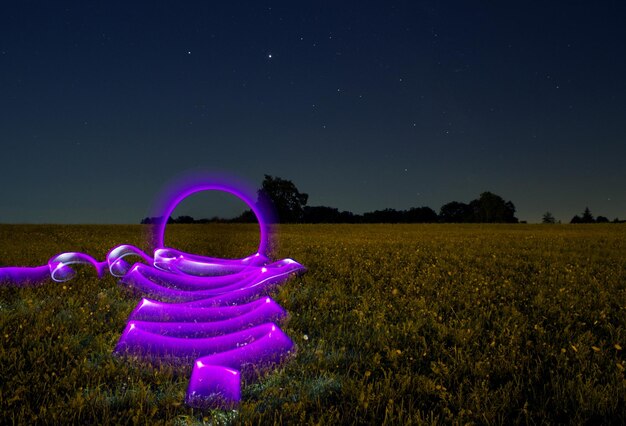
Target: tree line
<point>585,217</point>
<point>290,206</point>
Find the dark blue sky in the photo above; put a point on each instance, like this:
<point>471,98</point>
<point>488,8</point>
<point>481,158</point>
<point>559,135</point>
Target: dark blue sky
<point>363,105</point>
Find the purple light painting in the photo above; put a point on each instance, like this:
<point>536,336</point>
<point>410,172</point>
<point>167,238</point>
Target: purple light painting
<point>209,312</point>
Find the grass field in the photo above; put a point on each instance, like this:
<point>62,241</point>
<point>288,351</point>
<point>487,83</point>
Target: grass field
<point>395,324</point>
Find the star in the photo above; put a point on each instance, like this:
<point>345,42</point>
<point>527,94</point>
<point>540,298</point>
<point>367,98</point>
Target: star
<point>269,56</point>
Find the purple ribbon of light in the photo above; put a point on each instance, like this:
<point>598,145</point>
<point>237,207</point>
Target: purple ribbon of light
<point>213,312</point>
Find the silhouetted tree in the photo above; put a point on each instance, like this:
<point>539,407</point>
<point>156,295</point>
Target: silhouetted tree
<point>587,216</point>
<point>509,215</point>
<point>491,208</point>
<point>421,215</point>
<point>548,218</point>
<point>321,214</point>
<point>247,216</point>
<point>576,219</point>
<point>288,202</point>
<point>383,216</point>
<point>155,220</point>
<point>349,217</point>
<point>324,214</point>
<point>456,212</point>
<point>602,219</point>
<point>184,219</point>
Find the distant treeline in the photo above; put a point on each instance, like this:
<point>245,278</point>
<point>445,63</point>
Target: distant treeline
<point>323,214</point>
<point>587,217</point>
<point>290,207</point>
<point>184,219</point>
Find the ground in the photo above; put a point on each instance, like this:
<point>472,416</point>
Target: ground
<point>394,324</point>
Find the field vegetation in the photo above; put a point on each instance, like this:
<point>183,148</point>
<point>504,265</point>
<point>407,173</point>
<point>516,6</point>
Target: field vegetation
<point>394,324</point>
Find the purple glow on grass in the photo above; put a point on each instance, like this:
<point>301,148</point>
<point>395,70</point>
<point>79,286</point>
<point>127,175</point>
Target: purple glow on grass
<point>25,276</point>
<point>220,317</point>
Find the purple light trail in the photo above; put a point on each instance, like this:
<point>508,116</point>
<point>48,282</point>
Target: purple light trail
<point>212,312</point>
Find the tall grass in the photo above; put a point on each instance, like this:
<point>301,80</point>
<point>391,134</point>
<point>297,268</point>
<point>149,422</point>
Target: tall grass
<point>394,324</point>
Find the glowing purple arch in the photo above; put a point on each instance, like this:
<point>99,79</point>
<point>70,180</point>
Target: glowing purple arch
<point>192,184</point>
<point>222,319</point>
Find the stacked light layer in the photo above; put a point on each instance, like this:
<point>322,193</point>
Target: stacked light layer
<point>214,313</point>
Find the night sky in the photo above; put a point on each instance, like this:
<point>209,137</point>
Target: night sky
<point>363,105</point>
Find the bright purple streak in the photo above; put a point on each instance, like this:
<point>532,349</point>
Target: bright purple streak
<point>137,341</point>
<point>209,322</point>
<point>223,317</point>
<point>257,281</point>
<point>172,260</point>
<point>193,183</point>
<point>211,383</point>
<point>149,310</point>
<point>25,276</point>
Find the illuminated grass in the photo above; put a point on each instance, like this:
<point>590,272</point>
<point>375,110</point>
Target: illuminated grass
<point>394,324</point>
